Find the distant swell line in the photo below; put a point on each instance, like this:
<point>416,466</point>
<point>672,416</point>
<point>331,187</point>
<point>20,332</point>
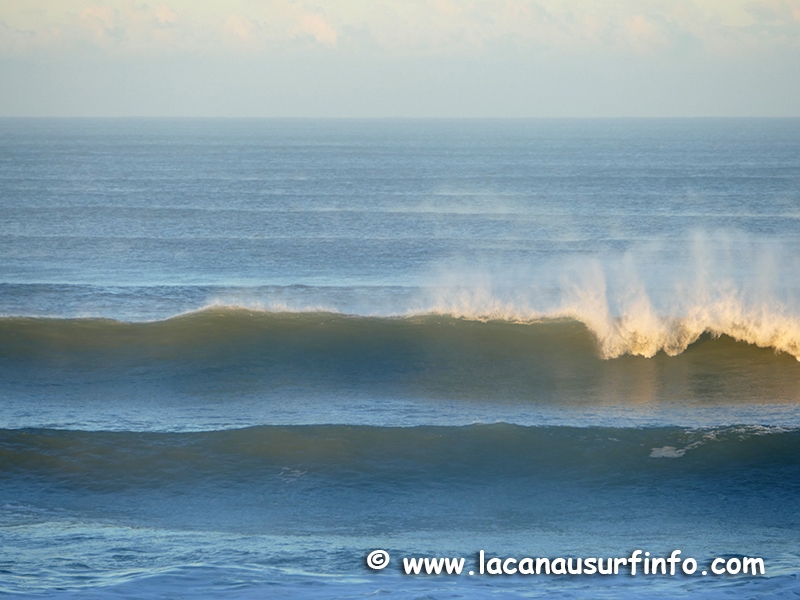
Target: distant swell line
<point>495,450</point>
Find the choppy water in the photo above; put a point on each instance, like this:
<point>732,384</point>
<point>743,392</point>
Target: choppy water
<point>236,356</point>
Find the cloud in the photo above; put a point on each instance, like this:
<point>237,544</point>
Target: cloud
<point>317,27</point>
<point>644,35</point>
<point>404,27</point>
<point>166,15</point>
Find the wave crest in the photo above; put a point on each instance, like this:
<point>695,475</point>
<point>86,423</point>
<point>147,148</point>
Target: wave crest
<point>659,298</point>
<point>645,334</point>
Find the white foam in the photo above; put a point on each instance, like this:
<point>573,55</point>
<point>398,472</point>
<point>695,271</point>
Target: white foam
<point>659,297</point>
<point>667,452</point>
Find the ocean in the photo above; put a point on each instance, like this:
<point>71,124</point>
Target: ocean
<point>238,356</point>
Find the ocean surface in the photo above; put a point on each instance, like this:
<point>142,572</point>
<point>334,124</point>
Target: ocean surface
<point>237,356</point>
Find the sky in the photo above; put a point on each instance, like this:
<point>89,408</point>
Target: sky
<point>400,58</point>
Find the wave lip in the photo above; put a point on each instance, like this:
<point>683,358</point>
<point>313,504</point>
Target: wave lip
<point>637,328</point>
<point>646,334</point>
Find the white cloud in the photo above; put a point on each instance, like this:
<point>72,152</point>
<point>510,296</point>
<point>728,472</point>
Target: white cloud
<point>317,27</point>
<point>165,15</point>
<point>402,26</point>
<point>644,34</point>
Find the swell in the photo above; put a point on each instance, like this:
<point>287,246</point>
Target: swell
<point>225,352</point>
<point>472,453</point>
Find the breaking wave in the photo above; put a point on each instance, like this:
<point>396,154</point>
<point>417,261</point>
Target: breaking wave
<point>641,333</point>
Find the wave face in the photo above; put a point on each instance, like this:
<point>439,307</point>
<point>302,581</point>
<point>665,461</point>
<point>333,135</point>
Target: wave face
<point>210,329</point>
<point>428,355</point>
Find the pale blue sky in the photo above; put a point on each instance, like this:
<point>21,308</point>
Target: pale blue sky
<point>393,58</point>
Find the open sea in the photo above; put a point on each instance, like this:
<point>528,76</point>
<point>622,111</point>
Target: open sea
<point>237,356</point>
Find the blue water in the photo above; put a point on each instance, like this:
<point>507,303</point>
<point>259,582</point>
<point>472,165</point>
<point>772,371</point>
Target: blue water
<point>237,356</point>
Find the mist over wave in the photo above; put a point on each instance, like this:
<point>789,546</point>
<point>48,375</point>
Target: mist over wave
<point>661,296</point>
<point>658,296</point>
